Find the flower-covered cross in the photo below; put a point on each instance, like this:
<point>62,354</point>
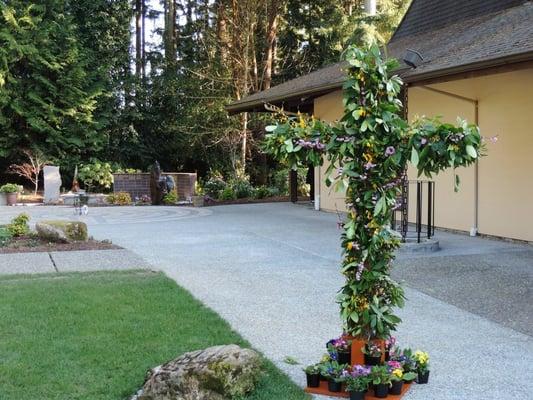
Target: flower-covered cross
<point>368,151</point>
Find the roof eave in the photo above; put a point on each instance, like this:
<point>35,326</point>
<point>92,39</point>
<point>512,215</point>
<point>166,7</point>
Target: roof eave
<point>258,104</point>
<point>472,67</point>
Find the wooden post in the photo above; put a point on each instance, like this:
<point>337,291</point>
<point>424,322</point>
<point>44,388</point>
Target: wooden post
<point>293,185</point>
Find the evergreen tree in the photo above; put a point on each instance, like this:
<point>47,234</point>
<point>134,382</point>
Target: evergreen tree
<point>46,101</point>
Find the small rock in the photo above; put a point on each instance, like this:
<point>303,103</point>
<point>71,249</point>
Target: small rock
<point>216,373</point>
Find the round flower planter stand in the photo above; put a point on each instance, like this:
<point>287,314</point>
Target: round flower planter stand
<point>356,357</point>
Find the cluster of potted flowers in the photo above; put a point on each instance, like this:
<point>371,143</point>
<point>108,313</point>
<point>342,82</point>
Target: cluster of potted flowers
<point>382,377</point>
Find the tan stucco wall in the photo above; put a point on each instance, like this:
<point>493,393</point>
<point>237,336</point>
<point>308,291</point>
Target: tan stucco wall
<point>328,108</point>
<point>505,175</point>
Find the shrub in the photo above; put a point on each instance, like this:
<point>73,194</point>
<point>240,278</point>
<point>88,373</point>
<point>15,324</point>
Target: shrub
<point>19,225</point>
<point>280,180</point>
<point>120,199</point>
<point>171,198</point>
<point>242,188</point>
<point>261,192</point>
<point>227,194</point>
<point>10,188</point>
<point>214,186</point>
<point>5,236</point>
<point>96,175</point>
<point>273,191</point>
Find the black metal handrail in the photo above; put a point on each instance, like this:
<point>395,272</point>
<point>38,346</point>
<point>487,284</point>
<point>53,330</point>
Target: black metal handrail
<point>420,229</point>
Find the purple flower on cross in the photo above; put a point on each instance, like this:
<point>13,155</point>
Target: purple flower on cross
<point>389,151</point>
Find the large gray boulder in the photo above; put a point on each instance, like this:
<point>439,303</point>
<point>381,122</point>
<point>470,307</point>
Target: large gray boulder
<point>216,373</point>
<point>62,231</point>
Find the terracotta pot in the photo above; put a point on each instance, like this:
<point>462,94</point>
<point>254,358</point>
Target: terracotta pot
<point>313,380</point>
<point>11,198</point>
<point>396,387</point>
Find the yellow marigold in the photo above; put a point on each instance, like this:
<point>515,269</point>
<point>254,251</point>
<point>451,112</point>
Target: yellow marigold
<point>349,246</point>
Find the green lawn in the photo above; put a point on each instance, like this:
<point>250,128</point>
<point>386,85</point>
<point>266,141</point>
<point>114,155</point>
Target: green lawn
<point>93,336</point>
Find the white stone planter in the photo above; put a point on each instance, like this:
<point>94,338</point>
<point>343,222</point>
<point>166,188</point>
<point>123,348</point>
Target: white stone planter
<point>3,200</point>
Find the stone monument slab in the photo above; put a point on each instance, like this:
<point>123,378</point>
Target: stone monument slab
<point>52,183</point>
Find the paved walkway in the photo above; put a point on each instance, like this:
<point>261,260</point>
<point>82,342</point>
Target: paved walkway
<point>70,261</point>
<point>271,270</point>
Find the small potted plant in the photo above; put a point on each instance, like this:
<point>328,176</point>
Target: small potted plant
<point>335,374</point>
<point>372,353</point>
<point>312,373</point>
<point>408,362</point>
<point>422,366</point>
<point>381,379</point>
<point>398,377</point>
<point>323,366</point>
<point>11,190</point>
<point>341,348</point>
<point>390,348</point>
<point>357,380</point>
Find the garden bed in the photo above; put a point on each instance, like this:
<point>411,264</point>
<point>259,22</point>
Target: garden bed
<point>33,244</point>
<point>276,199</point>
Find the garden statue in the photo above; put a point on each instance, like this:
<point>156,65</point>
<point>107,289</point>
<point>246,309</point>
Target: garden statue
<point>368,151</point>
<point>160,185</point>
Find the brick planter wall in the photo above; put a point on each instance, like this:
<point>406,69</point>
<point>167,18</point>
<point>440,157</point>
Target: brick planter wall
<point>138,184</point>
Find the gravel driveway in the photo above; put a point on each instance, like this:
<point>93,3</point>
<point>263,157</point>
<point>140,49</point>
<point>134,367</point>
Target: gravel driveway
<point>271,270</point>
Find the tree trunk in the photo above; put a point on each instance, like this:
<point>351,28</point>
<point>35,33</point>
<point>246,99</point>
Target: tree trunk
<point>138,38</point>
<point>222,31</point>
<point>143,46</point>
<point>271,36</point>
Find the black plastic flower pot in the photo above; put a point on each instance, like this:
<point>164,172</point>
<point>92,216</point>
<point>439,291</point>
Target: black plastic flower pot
<point>369,360</point>
<point>313,380</point>
<point>344,357</point>
<point>357,395</point>
<point>334,386</point>
<point>381,391</point>
<point>396,387</point>
<point>423,378</point>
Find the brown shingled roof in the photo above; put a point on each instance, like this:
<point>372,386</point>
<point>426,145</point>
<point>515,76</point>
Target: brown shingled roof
<point>486,40</point>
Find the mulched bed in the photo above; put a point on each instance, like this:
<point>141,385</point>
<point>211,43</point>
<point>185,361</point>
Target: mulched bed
<point>277,199</point>
<point>29,244</point>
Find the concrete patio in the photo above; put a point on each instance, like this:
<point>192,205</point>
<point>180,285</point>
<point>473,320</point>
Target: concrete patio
<point>271,270</point>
